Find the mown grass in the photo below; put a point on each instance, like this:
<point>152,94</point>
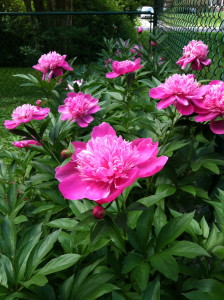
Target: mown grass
<point>10,85</point>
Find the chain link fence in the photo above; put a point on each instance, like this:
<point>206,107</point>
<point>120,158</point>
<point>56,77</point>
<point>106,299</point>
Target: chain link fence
<point>24,37</point>
<point>186,20</point>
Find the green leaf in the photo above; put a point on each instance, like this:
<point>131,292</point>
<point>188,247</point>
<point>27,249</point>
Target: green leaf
<point>141,274</point>
<point>40,251</point>
<point>22,257</point>
<point>198,295</point>
<point>186,249</point>
<point>219,251</point>
<point>153,291</point>
<point>165,264</point>
<point>193,229</point>
<point>144,224</point>
<point>116,296</point>
<point>66,289</point>
<point>7,274</point>
<point>3,292</point>
<point>115,235</point>
<point>210,288</point>
<point>133,239</point>
<point>131,261</point>
<point>20,219</point>
<point>214,239</point>
<point>169,148</point>
<point>98,231</point>
<point>173,229</point>
<point>64,223</point>
<point>115,95</point>
<point>12,195</point>
<point>212,167</point>
<point>9,236</point>
<point>204,227</point>
<point>80,207</point>
<point>39,280</point>
<point>93,287</point>
<point>154,199</point>
<point>62,262</point>
<point>66,241</point>
<point>43,208</point>
<point>189,189</point>
<point>160,219</point>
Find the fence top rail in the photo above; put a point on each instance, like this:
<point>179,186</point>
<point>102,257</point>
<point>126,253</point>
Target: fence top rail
<point>77,13</point>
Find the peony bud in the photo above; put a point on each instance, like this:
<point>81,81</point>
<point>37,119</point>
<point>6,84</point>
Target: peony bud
<point>139,30</point>
<point>98,212</point>
<point>66,153</point>
<point>153,44</point>
<point>38,102</point>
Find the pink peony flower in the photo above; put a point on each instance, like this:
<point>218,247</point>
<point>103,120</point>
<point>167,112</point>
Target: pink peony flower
<point>26,143</point>
<point>52,65</point>
<point>195,53</point>
<point>139,30</point>
<point>26,113</point>
<point>78,108</point>
<point>123,67</point>
<point>212,107</point>
<point>180,90</point>
<point>104,166</point>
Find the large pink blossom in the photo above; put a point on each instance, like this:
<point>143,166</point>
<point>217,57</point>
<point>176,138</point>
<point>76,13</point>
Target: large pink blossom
<point>123,67</point>
<point>195,53</point>
<point>212,107</point>
<point>180,90</point>
<point>26,113</point>
<point>103,167</point>
<point>79,108</point>
<point>52,65</point>
<point>26,143</point>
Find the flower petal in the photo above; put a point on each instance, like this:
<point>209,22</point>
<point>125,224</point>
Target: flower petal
<point>10,124</point>
<point>165,102</point>
<point>114,193</point>
<point>102,130</point>
<point>217,126</point>
<point>157,93</point>
<point>184,110</point>
<point>206,117</point>
<point>146,149</point>
<point>112,75</point>
<point>65,171</point>
<point>152,166</point>
<point>74,188</point>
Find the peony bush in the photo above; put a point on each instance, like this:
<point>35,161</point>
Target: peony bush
<point>115,188</point>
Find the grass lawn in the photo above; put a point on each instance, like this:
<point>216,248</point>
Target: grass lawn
<point>10,85</point>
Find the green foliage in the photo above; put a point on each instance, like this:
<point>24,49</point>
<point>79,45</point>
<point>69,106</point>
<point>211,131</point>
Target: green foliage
<point>162,238</point>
